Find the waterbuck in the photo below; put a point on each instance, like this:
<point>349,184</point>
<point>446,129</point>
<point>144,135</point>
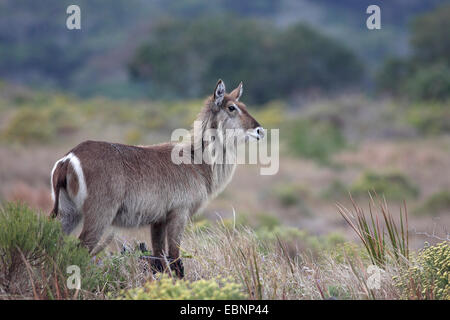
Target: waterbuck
<point>109,184</point>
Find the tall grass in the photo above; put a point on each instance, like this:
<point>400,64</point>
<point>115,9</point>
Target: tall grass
<point>261,268</point>
<point>267,270</point>
<point>381,239</point>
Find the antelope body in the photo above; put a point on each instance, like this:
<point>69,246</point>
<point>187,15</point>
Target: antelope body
<point>109,184</point>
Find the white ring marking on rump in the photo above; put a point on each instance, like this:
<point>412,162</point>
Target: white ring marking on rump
<point>53,172</point>
<point>82,190</point>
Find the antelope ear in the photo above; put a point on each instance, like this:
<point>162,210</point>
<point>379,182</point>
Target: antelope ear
<point>219,93</point>
<point>237,93</point>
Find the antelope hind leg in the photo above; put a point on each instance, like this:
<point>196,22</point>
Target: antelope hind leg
<point>175,227</point>
<point>158,233</point>
<point>96,221</point>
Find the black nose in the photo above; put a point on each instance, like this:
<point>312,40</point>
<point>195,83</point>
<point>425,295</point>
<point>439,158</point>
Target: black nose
<point>259,132</point>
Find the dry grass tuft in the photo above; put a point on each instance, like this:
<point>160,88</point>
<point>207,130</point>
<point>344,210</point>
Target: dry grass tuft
<point>379,233</point>
<point>268,272</point>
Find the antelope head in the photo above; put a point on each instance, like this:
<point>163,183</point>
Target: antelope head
<point>228,113</point>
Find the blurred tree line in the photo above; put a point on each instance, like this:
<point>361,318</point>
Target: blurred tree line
<point>425,75</point>
<point>395,12</point>
<point>196,8</point>
<point>37,49</point>
<point>178,48</point>
<point>187,57</point>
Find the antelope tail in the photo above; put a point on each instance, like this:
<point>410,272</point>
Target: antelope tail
<point>59,181</point>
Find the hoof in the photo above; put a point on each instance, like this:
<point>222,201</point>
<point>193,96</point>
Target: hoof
<point>157,265</point>
<point>177,266</point>
<point>143,247</point>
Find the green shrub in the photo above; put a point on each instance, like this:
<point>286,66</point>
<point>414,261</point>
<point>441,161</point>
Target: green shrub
<point>316,140</point>
<point>429,83</point>
<point>429,275</point>
<point>269,221</point>
<point>27,126</point>
<point>426,83</point>
<point>35,252</point>
<point>40,125</point>
<point>438,202</point>
<point>287,195</point>
<point>430,119</point>
<point>392,185</point>
<point>175,289</point>
<point>390,78</point>
<point>64,119</point>
<point>299,202</point>
<point>335,190</point>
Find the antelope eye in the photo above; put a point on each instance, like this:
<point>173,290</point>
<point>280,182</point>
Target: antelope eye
<point>231,108</point>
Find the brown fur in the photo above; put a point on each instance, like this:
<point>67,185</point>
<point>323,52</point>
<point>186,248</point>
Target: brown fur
<point>73,184</point>
<point>132,186</point>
